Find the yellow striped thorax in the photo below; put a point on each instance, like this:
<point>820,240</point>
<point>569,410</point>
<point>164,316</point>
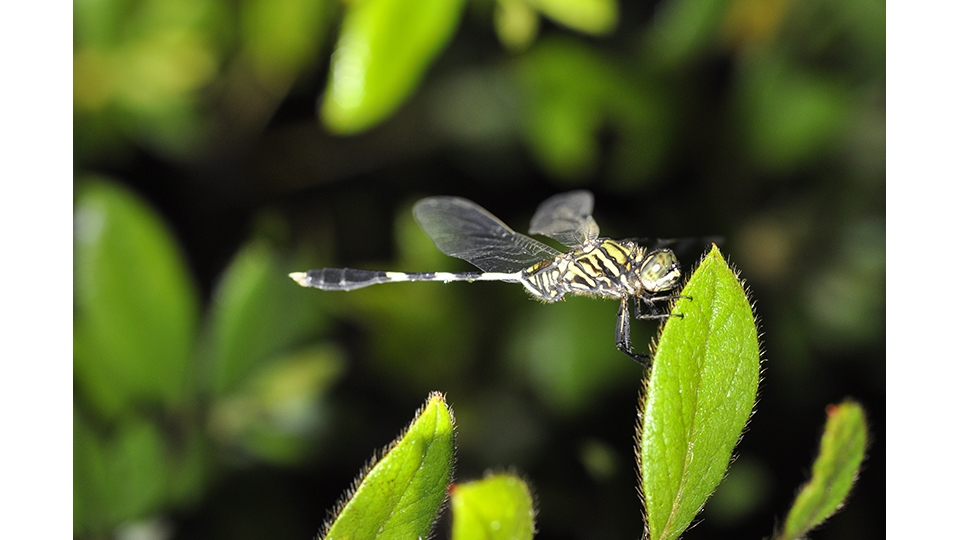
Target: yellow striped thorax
<point>604,267</point>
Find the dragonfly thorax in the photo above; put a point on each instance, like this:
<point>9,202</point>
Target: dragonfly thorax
<point>603,267</point>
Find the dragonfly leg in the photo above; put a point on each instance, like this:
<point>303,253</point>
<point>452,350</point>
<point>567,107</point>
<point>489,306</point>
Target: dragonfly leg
<point>623,334</point>
<point>654,310</point>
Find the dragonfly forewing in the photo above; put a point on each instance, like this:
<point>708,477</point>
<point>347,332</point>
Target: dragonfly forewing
<point>462,229</point>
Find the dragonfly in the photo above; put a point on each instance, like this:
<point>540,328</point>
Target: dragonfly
<point>593,266</point>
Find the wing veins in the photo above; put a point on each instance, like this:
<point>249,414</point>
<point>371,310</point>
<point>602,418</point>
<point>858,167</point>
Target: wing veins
<point>567,218</point>
<point>462,229</point>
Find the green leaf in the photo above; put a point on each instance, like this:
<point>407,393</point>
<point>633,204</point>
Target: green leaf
<point>133,471</point>
<point>700,393</point>
<point>597,17</point>
<point>516,23</point>
<point>567,354</point>
<point>256,315</point>
<point>686,28</point>
<point>117,478</point>
<point>400,497</point>
<point>572,95</point>
<point>385,46</point>
<point>497,507</point>
<point>842,450</point>
<point>136,307</point>
<point>279,412</point>
<point>280,37</point>
<point>790,115</point>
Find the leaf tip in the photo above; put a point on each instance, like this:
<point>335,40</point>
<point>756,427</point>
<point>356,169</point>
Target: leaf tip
<point>414,470</point>
<point>835,470</point>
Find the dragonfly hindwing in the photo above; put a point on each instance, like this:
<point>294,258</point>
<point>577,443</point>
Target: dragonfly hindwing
<point>567,219</point>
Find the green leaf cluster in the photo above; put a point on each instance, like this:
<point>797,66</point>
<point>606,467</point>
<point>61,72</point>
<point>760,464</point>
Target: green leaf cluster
<point>401,494</point>
<point>162,387</point>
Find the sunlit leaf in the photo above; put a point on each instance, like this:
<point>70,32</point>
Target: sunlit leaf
<point>383,50</point>
<point>399,497</point>
<point>516,23</point>
<point>596,17</point>
<point>700,393</point>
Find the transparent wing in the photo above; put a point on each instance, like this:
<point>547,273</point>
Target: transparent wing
<point>466,231</point>
<point>566,218</point>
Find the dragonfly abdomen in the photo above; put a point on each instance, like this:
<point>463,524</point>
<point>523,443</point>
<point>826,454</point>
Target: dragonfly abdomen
<point>348,279</point>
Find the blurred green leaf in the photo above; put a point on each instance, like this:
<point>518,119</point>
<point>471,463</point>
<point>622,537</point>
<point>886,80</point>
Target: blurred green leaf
<point>136,307</point>
<point>790,115</point>
<point>566,351</point>
<point>98,22</point>
<point>133,471</point>
<point>744,491</point>
<point>686,28</point>
<point>516,23</point>
<point>573,93</point>
<point>497,507</point>
<point>281,37</point>
<point>123,477</point>
<point>385,46</point>
<point>279,412</point>
<point>597,17</point>
<point>842,450</point>
<point>139,69</point>
<point>700,393</point>
<point>840,297</point>
<point>564,82</point>
<point>400,497</point>
<point>256,314</point>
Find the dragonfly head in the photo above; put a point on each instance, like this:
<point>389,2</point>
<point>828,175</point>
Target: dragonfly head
<point>659,271</point>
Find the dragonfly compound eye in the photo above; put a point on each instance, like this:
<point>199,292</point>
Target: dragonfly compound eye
<point>659,271</point>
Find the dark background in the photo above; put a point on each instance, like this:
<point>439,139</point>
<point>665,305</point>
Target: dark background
<point>765,127</point>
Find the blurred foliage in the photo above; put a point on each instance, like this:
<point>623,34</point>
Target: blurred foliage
<point>155,391</point>
<point>216,398</point>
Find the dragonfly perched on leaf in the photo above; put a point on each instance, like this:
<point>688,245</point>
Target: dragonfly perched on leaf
<point>594,266</point>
